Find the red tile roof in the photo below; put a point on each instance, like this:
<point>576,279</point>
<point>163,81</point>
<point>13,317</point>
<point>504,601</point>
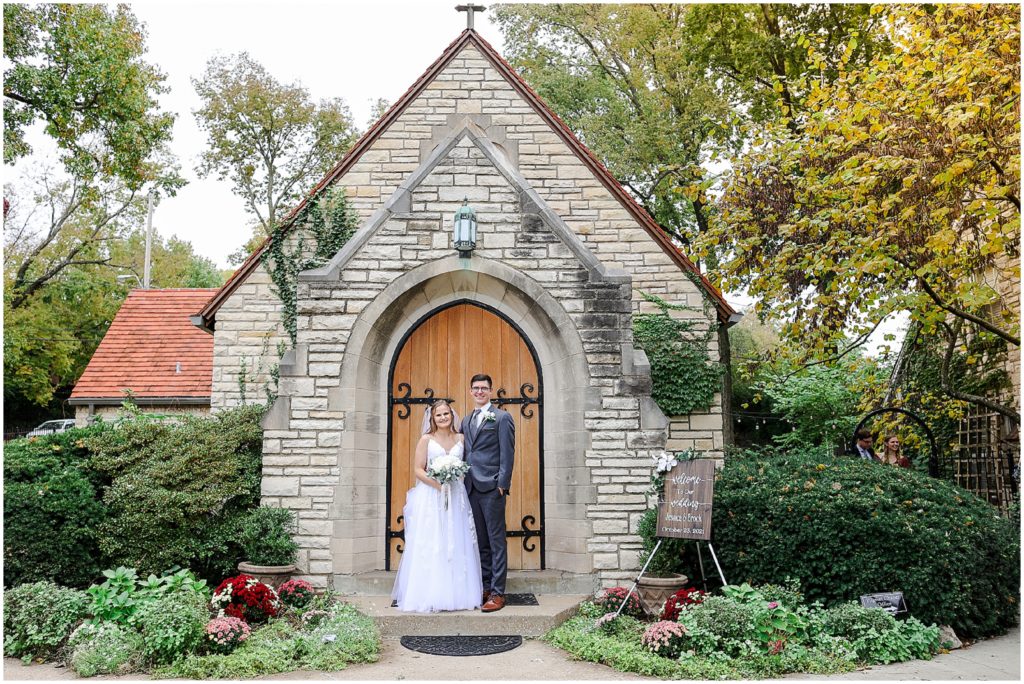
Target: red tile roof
<point>153,349</point>
<point>469,36</point>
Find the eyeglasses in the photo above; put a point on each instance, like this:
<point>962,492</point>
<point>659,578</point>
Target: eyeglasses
<point>478,390</point>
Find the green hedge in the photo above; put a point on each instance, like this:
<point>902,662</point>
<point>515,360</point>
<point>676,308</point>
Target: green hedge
<point>52,510</point>
<point>139,493</point>
<point>848,527</point>
<point>178,490</point>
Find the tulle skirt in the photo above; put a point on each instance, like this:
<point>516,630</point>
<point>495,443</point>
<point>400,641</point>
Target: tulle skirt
<point>440,566</point>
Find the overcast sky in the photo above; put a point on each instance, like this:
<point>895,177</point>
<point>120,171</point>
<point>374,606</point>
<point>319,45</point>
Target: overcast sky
<point>358,51</point>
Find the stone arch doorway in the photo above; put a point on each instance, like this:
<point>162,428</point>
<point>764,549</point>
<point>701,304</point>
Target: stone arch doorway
<point>435,359</point>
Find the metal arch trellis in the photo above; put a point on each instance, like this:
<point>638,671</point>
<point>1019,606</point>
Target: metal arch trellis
<point>933,459</point>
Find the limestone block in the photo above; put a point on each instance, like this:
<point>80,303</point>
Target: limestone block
<point>279,486</point>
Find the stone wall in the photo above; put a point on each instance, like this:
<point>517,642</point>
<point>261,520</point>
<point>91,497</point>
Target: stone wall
<point>325,439</point>
<point>85,416</point>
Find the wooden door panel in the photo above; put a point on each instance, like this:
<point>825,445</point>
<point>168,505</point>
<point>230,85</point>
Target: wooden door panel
<point>437,360</point>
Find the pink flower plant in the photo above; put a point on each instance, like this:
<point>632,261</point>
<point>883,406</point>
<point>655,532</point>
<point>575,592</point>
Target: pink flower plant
<point>225,633</point>
<point>665,638</point>
<point>296,593</point>
<point>610,600</point>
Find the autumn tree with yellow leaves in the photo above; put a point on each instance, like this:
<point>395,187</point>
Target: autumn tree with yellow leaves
<point>896,187</point>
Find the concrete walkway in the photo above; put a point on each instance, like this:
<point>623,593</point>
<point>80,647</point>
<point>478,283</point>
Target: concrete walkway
<point>996,659</point>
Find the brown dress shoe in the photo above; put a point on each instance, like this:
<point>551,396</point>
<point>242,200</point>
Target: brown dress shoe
<point>495,602</point>
<point>486,596</point>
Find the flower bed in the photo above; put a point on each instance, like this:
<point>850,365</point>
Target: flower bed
<point>168,627</point>
<point>744,633</point>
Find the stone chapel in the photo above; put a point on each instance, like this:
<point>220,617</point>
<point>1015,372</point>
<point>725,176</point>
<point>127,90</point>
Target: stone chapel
<point>544,304</point>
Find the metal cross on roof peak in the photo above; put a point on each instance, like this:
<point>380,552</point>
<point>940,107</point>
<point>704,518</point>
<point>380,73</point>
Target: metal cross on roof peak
<point>469,9</point>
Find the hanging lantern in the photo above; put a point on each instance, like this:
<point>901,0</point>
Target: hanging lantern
<point>465,229</point>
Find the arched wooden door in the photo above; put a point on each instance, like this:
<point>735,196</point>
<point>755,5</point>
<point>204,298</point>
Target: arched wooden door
<point>436,360</point>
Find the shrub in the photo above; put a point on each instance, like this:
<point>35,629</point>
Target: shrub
<point>106,648</point>
<point>666,638</point>
<point>683,598</point>
<point>296,593</point>
<point>266,536</point>
<point>223,634</point>
<point>177,490</point>
<point>342,637</point>
<point>848,527</point>
<point>878,637</point>
<point>38,617</point>
<point>172,626</point>
<point>610,599</point>
<point>246,598</point>
<point>671,557</point>
<point>52,509</point>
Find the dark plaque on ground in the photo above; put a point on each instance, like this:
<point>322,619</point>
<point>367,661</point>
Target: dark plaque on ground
<point>890,601</point>
<point>686,511</point>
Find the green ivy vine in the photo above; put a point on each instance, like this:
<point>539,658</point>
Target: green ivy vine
<point>684,377</point>
<point>321,229</point>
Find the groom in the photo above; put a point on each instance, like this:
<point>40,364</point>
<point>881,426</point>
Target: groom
<point>490,443</point>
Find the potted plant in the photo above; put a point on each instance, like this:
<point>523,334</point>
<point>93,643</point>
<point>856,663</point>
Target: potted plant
<point>666,572</point>
<point>265,536</point>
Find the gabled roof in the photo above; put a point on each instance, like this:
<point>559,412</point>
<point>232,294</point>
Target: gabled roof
<point>471,37</point>
<point>152,349</point>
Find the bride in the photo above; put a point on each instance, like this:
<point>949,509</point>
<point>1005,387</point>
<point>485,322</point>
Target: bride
<point>440,568</point>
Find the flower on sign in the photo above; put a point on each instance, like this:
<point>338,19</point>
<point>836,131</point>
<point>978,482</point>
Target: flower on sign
<point>665,462</point>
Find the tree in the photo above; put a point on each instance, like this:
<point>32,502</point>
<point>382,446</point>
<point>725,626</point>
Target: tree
<point>79,70</point>
<point>658,92</point>
<point>63,256</point>
<point>897,190</point>
<point>268,138</point>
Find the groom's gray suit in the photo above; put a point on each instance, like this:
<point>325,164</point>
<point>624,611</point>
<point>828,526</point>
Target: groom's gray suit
<point>490,452</point>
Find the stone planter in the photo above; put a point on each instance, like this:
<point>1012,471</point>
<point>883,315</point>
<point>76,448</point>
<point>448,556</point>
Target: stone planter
<point>654,591</point>
<point>274,575</point>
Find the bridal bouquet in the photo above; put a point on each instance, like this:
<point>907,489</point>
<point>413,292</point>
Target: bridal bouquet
<point>447,469</point>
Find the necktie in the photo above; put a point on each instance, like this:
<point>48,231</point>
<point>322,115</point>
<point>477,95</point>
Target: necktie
<point>479,417</point>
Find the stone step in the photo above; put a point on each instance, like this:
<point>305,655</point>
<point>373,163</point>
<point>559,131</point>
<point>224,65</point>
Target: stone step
<point>527,621</point>
<point>378,582</point>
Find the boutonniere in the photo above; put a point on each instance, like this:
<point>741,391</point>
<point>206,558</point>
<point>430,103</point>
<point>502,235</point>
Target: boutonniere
<point>489,418</point>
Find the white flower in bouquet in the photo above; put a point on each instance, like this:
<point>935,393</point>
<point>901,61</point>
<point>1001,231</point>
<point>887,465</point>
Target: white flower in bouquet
<point>447,468</point>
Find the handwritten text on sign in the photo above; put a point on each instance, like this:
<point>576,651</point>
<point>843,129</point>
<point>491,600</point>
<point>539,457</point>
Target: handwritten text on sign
<point>686,511</point>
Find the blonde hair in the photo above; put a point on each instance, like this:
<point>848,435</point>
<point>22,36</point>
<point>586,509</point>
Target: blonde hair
<point>436,405</point>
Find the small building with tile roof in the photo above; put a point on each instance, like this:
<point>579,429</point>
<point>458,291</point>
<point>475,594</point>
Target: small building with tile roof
<point>397,318</point>
<point>153,352</point>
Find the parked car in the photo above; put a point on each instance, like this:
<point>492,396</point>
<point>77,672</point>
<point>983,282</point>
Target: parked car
<point>52,426</point>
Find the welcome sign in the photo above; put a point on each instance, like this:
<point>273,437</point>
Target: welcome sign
<point>685,512</point>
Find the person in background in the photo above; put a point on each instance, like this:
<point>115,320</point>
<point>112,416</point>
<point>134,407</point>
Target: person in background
<point>892,454</point>
<point>862,446</point>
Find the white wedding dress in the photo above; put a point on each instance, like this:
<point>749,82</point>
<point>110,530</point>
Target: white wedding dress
<point>440,566</point>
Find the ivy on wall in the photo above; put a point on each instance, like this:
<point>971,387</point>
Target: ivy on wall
<point>320,230</point>
<point>685,378</point>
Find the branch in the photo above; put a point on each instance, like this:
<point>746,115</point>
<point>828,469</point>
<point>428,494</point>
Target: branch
<point>859,342</point>
<point>960,313</point>
<point>953,331</point>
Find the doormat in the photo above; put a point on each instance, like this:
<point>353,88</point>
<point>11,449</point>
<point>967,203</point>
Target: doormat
<point>461,645</point>
<point>527,599</point>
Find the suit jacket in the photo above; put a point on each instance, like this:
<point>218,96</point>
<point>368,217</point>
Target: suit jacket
<point>490,451</point>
